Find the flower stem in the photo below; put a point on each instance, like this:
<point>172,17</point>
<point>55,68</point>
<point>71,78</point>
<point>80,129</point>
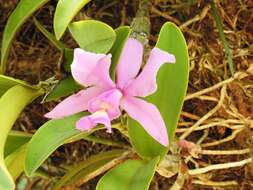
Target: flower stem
<point>141,23</point>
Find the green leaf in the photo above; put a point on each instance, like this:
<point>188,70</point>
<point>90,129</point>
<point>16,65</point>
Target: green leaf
<point>49,137</point>
<point>8,82</point>
<point>172,84</point>
<point>131,175</point>
<point>93,36</point>
<point>16,167</point>
<point>122,33</point>
<point>68,59</point>
<point>64,88</point>
<point>172,91</point>
<point>13,102</point>
<point>15,140</point>
<point>87,167</point>
<point>105,141</point>
<point>6,181</point>
<point>24,9</point>
<point>64,13</point>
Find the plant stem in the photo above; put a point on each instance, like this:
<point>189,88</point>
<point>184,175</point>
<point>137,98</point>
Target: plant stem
<point>60,46</point>
<point>141,23</point>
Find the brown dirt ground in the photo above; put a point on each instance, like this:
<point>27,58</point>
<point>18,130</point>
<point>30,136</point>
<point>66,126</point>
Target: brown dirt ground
<point>33,59</point>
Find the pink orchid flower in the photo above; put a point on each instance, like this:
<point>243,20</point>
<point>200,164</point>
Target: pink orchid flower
<point>105,100</point>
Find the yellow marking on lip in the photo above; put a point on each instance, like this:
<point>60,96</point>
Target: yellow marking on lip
<point>100,113</point>
<point>105,105</point>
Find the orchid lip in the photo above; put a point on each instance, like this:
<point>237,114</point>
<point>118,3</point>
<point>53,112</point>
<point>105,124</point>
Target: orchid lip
<point>108,101</point>
<point>98,113</point>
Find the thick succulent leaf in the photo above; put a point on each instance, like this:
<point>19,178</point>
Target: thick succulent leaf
<point>68,59</point>
<point>15,140</point>
<point>49,137</point>
<point>122,33</point>
<point>13,102</point>
<point>16,167</point>
<point>93,36</point>
<point>172,81</point>
<point>87,167</point>
<point>8,82</point>
<point>64,13</point>
<point>131,175</point>
<point>65,87</point>
<point>177,75</point>
<point>24,9</point>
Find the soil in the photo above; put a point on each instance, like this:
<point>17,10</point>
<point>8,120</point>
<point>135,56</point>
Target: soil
<point>33,58</point>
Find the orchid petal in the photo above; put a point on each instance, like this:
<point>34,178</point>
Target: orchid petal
<point>148,116</point>
<point>145,83</point>
<point>108,101</point>
<point>88,122</point>
<point>74,104</point>
<point>130,62</point>
<point>91,69</point>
